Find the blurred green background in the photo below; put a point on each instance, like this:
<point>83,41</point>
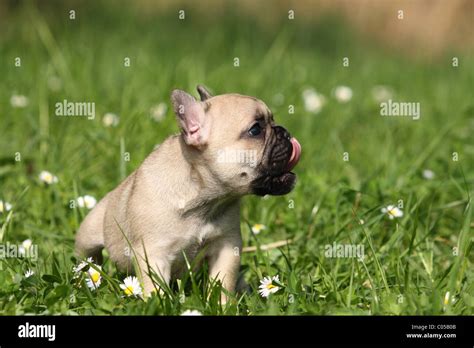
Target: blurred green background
<point>280,60</point>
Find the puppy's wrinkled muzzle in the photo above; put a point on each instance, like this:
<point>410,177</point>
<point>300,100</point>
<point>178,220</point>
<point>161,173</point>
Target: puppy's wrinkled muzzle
<point>281,156</point>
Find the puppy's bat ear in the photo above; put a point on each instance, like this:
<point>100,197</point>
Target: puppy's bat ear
<point>203,92</point>
<point>192,118</point>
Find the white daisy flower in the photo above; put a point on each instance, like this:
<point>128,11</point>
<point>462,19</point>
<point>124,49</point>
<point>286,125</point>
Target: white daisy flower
<point>257,228</point>
<point>27,243</point>
<point>94,278</point>
<point>343,94</point>
<point>428,174</point>
<point>158,112</point>
<point>24,247</point>
<point>131,286</point>
<point>382,93</point>
<point>191,312</point>
<point>29,273</point>
<point>19,101</point>
<point>48,178</point>
<point>110,120</point>
<point>80,267</point>
<point>392,212</point>
<point>313,101</point>
<point>86,201</point>
<point>447,297</point>
<point>5,206</point>
<point>267,287</point>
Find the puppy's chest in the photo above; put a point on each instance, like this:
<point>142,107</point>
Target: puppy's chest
<point>200,236</point>
<point>197,238</point>
<point>207,232</point>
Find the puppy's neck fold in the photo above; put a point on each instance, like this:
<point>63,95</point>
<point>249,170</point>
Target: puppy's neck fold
<point>208,196</point>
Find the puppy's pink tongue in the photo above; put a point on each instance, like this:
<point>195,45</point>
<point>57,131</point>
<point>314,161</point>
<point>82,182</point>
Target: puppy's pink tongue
<point>295,154</point>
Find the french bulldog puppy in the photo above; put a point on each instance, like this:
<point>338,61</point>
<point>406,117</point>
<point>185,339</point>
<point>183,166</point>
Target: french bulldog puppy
<point>185,197</point>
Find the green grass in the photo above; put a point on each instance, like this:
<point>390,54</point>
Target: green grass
<point>409,265</point>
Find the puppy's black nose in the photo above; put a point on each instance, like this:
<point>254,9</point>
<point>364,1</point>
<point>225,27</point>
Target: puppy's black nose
<point>281,132</point>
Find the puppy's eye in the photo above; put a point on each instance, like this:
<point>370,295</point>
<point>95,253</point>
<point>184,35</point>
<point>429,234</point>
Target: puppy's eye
<point>255,130</point>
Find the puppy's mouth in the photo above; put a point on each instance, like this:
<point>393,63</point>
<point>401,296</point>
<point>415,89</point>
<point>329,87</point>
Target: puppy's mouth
<point>295,154</point>
<point>279,180</point>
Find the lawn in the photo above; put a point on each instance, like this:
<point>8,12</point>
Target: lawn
<point>355,162</point>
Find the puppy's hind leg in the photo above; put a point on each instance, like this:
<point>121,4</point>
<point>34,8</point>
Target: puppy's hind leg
<point>90,237</point>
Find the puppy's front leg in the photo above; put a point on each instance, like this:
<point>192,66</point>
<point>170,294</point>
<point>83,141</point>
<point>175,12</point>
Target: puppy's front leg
<point>224,262</point>
<point>158,266</point>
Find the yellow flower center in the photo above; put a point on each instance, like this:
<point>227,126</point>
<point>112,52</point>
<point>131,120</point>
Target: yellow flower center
<point>270,286</point>
<point>392,212</point>
<point>95,277</point>
<point>128,290</point>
